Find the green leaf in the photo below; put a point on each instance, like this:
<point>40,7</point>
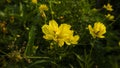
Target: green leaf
<point>42,61</point>
<point>29,49</point>
<point>79,57</point>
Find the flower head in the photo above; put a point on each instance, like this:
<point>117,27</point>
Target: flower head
<point>109,16</point>
<point>108,7</point>
<point>60,34</point>
<point>43,7</point>
<point>98,30</point>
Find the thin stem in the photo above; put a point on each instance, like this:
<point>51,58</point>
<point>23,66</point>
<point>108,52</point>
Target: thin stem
<point>85,58</point>
<point>50,4</point>
<point>92,46</point>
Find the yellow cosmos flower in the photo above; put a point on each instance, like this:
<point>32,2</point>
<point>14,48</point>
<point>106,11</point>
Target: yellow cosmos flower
<point>98,30</point>
<point>109,16</point>
<point>43,7</point>
<point>59,34</point>
<point>34,1</point>
<point>108,7</point>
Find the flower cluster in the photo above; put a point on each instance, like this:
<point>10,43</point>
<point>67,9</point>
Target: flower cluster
<point>98,30</point>
<point>60,34</point>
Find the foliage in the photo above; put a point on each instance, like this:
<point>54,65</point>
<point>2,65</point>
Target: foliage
<point>59,34</point>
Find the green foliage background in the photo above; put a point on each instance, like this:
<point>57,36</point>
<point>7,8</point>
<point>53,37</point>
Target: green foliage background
<point>21,34</point>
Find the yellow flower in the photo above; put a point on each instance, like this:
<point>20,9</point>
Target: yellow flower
<point>34,1</point>
<point>108,7</point>
<point>59,34</point>
<point>109,16</point>
<point>43,7</point>
<point>98,30</point>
